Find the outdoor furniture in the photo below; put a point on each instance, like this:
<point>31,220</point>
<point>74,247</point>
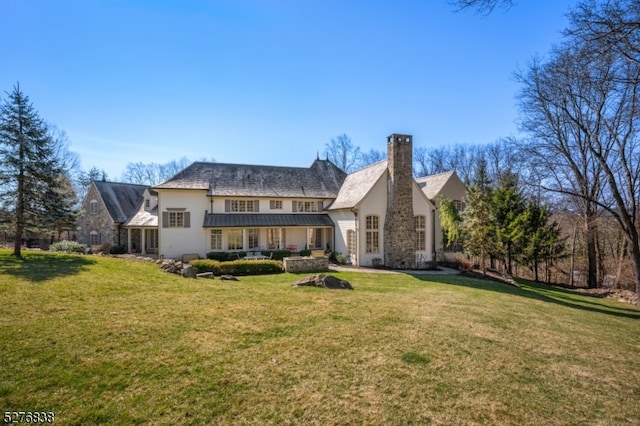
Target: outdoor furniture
<point>251,255</point>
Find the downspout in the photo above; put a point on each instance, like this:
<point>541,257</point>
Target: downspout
<point>433,235</point>
<point>357,250</point>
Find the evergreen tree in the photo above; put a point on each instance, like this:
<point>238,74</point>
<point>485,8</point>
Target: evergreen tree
<point>507,205</point>
<point>28,166</point>
<point>478,221</point>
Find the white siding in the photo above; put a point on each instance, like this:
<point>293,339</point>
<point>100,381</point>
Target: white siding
<point>343,220</point>
<point>374,203</point>
<point>174,242</point>
<point>422,206</point>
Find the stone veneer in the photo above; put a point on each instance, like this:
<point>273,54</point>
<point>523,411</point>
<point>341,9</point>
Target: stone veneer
<point>305,264</point>
<point>399,227</point>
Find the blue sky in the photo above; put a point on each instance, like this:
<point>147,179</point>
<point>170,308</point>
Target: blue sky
<point>268,82</point>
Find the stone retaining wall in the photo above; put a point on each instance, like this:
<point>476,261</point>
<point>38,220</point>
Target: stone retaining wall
<point>305,264</point>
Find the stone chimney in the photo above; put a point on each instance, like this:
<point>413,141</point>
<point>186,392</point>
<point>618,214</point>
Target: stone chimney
<point>399,226</point>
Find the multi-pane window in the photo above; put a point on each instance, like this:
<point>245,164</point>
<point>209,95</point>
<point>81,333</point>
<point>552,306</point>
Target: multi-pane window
<point>459,205</point>
<point>235,239</point>
<point>93,207</point>
<point>307,206</point>
<point>351,242</point>
<point>372,236</point>
<point>241,206</point>
<point>275,204</point>
<point>176,219</point>
<point>254,238</point>
<point>151,240</point>
<point>421,234</point>
<point>273,238</point>
<point>315,238</point>
<point>216,239</point>
<point>94,238</point>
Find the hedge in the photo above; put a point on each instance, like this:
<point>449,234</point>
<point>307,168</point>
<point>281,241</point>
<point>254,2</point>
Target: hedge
<point>238,267</point>
<point>227,256</point>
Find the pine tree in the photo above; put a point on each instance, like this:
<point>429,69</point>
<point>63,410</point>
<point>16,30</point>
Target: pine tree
<point>28,167</point>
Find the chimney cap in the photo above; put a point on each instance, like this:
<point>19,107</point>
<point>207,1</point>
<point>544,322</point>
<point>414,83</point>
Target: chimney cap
<point>397,137</point>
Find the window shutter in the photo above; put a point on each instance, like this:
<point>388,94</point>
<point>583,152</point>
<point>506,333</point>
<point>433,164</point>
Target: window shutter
<point>272,204</point>
<point>319,206</point>
<point>227,205</point>
<point>187,219</point>
<point>256,206</point>
<point>165,219</point>
<point>294,206</point>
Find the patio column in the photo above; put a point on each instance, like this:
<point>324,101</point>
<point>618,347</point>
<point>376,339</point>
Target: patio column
<point>279,247</point>
<point>143,249</point>
<point>128,240</point>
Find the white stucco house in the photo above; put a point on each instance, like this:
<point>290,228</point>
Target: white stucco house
<point>379,215</point>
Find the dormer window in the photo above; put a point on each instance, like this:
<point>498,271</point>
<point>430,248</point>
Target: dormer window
<point>147,203</point>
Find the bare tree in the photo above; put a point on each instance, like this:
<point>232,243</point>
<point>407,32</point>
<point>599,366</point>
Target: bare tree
<point>583,108</point>
<point>483,7</point>
<point>343,153</point>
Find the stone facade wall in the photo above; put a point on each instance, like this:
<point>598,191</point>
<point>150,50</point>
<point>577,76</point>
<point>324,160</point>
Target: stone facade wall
<point>99,222</point>
<point>399,227</point>
<point>305,264</point>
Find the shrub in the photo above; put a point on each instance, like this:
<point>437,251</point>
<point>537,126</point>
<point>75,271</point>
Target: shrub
<point>225,256</point>
<point>341,258</point>
<point>305,253</point>
<point>277,254</point>
<point>68,247</point>
<point>238,267</point>
<point>117,250</point>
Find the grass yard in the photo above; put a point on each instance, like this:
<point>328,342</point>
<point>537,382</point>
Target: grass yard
<point>98,340</point>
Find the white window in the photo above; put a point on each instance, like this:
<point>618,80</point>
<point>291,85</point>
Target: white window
<point>93,207</point>
<point>314,238</point>
<point>421,234</point>
<point>275,204</point>
<point>241,206</point>
<point>216,239</point>
<point>351,241</point>
<point>459,205</point>
<point>307,206</point>
<point>94,238</point>
<point>235,239</point>
<point>176,219</point>
<point>254,238</point>
<point>372,235</point>
<point>273,238</point>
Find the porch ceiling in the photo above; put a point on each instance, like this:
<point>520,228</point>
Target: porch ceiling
<point>265,220</point>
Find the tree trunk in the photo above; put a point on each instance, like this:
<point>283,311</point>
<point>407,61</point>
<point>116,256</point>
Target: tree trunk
<point>572,264</point>
<point>591,228</point>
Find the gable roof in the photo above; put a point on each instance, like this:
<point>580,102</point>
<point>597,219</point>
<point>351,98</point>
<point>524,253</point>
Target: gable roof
<point>122,200</point>
<point>432,185</point>
<point>357,185</point>
<point>322,180</point>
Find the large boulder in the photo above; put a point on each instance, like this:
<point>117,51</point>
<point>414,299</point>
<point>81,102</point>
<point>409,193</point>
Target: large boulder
<point>322,280</point>
<point>188,271</point>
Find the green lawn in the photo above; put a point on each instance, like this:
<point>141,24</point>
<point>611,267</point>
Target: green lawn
<point>98,340</point>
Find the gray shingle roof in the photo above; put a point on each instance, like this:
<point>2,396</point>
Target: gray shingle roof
<point>233,220</point>
<point>322,180</point>
<point>357,185</point>
<point>122,200</point>
<point>432,185</point>
<point>144,218</point>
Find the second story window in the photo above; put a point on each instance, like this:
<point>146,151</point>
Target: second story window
<point>93,207</point>
<point>241,206</point>
<point>176,218</point>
